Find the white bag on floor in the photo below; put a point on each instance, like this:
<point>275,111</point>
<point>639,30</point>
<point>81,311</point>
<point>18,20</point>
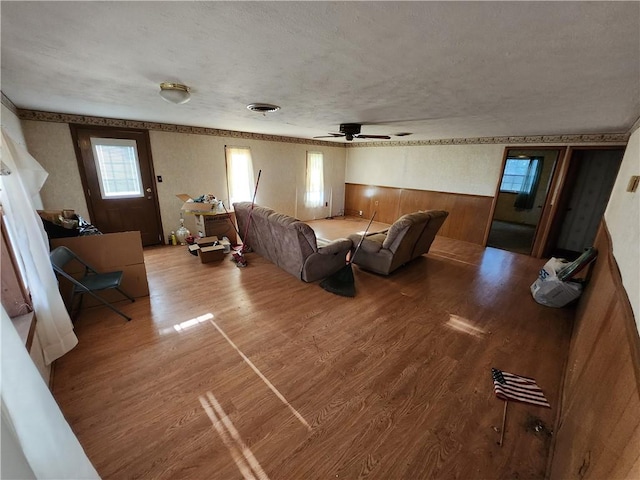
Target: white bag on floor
<point>549,290</point>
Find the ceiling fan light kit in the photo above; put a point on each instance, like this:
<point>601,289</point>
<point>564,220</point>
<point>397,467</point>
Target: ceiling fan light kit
<point>175,92</point>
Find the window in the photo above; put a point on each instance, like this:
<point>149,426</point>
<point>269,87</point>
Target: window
<point>239,174</point>
<point>314,192</point>
<point>117,167</point>
<point>516,177</point>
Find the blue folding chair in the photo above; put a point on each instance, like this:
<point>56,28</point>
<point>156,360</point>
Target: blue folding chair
<point>91,280</point>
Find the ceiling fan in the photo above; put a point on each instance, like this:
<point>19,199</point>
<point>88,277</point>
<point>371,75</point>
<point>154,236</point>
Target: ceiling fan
<point>352,130</point>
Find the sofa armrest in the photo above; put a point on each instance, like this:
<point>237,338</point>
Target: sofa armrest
<point>370,244</point>
<point>336,246</point>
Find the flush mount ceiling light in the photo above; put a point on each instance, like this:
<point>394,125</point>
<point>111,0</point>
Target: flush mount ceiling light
<point>263,107</point>
<point>175,92</point>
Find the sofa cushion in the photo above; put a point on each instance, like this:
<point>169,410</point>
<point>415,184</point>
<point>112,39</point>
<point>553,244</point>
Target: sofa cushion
<point>371,243</point>
<point>398,227</point>
<point>306,237</point>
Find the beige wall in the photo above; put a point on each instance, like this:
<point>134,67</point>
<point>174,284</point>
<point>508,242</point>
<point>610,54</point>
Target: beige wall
<point>471,169</point>
<point>51,145</point>
<point>623,220</point>
<point>188,163</point>
<point>195,164</point>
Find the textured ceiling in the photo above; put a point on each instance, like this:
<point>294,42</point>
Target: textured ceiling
<point>437,69</point>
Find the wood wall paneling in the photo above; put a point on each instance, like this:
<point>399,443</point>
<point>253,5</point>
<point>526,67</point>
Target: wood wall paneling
<point>598,432</point>
<point>468,214</point>
<point>356,200</point>
<point>385,202</point>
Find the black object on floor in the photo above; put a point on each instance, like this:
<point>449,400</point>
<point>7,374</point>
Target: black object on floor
<point>342,282</point>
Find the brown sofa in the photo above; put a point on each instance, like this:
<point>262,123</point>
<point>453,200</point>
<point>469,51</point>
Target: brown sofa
<point>409,237</point>
<point>290,243</point>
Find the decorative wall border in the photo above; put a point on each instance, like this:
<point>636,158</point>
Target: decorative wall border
<point>41,116</point>
<point>24,114</point>
<point>536,139</point>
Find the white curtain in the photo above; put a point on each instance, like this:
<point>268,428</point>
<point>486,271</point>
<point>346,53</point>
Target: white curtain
<point>30,243</point>
<point>32,424</point>
<point>314,185</point>
<point>240,180</point>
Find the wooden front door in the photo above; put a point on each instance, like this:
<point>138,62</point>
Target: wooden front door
<point>118,179</point>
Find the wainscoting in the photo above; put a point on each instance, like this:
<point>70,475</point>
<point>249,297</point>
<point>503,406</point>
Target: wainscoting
<point>468,214</point>
<point>598,433</point>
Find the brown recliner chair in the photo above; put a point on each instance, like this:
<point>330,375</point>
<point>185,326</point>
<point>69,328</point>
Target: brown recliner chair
<point>408,238</point>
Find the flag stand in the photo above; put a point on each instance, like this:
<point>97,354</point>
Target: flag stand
<point>504,421</point>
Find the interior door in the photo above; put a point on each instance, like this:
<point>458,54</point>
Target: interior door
<point>591,174</point>
<point>118,179</point>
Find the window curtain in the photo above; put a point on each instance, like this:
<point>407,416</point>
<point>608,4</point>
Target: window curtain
<point>527,195</point>
<point>240,179</point>
<point>314,185</point>
<point>31,246</point>
<point>33,427</point>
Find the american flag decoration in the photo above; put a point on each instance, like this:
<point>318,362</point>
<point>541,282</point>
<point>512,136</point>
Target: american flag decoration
<point>517,388</point>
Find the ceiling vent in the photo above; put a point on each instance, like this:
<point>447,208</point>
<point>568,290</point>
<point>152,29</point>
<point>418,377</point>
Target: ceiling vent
<point>263,107</point>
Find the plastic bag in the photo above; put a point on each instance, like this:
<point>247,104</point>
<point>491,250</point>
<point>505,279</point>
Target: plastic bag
<point>549,290</point>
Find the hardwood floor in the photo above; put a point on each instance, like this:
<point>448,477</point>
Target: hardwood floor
<point>342,227</point>
<point>228,373</point>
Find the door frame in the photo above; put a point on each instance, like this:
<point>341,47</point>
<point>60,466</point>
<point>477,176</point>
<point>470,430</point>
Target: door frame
<point>563,189</point>
<point>112,132</point>
<point>562,181</point>
<point>541,228</point>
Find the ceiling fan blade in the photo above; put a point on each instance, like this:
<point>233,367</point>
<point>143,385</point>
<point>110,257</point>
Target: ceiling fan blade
<point>331,135</point>
<point>383,137</point>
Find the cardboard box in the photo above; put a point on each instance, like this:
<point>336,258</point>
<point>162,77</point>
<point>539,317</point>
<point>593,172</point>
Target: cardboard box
<point>207,241</point>
<point>209,220</point>
<point>226,244</point>
<point>213,253</point>
<point>106,253</point>
<point>219,225</point>
<point>190,206</point>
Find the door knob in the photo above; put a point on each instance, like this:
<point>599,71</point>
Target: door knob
<point>149,190</point>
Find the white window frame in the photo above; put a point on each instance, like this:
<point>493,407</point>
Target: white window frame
<point>507,184</point>
<point>240,179</point>
<point>314,180</point>
<point>103,174</point>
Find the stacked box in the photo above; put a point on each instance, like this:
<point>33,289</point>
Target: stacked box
<point>214,253</point>
<point>209,249</point>
<point>218,225</point>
